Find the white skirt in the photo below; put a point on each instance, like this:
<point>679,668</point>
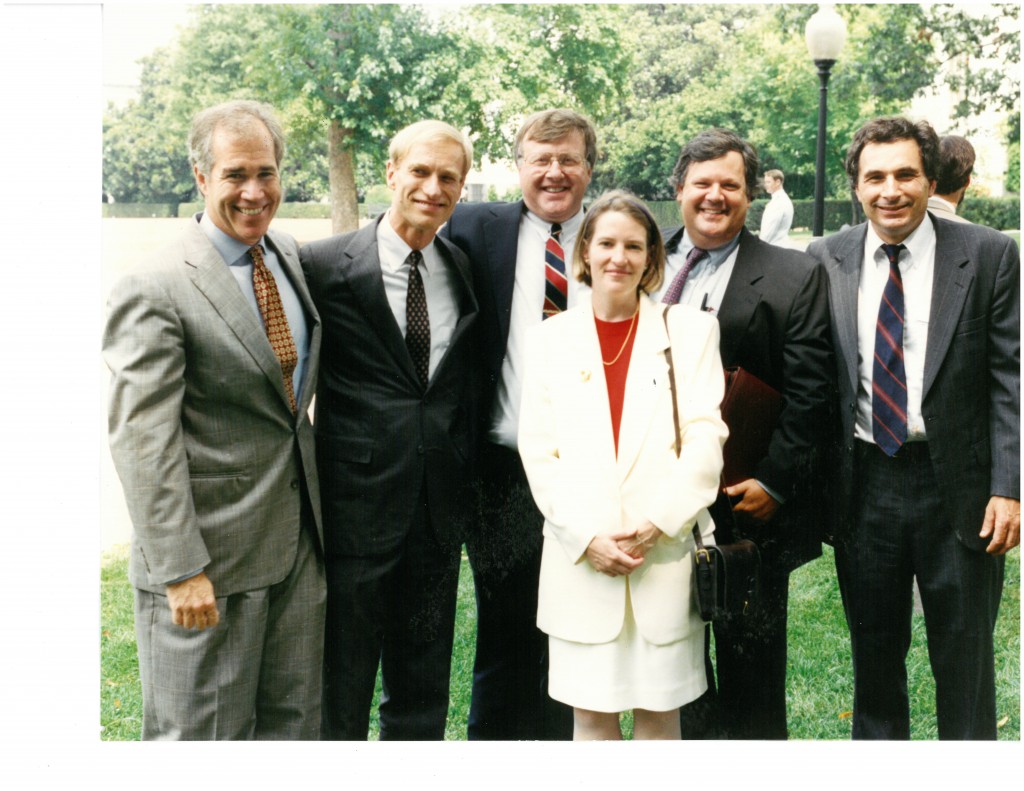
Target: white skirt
<point>627,673</point>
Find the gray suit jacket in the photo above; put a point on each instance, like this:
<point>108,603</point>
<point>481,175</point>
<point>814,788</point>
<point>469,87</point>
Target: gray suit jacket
<point>971,396</point>
<point>940,208</point>
<point>214,465</point>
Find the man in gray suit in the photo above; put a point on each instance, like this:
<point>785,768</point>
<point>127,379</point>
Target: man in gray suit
<point>213,348</point>
<point>956,164</point>
<point>926,329</point>
<point>394,422</point>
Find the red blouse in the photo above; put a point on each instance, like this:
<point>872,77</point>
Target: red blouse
<point>613,337</point>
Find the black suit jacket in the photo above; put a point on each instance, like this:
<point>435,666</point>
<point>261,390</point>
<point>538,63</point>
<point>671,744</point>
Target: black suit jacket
<point>489,235</point>
<point>775,324</point>
<point>383,441</point>
<point>971,396</point>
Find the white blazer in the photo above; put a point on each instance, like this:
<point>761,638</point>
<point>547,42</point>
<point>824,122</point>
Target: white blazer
<point>567,448</point>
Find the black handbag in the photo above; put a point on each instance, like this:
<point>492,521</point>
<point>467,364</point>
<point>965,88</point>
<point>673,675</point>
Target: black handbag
<point>728,575</point>
<point>728,578</point>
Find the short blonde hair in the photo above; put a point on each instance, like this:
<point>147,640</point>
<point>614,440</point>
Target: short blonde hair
<point>629,204</point>
<point>430,132</point>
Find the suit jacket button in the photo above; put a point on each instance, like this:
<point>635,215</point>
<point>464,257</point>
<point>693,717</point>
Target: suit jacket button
<point>294,484</point>
<point>419,449</point>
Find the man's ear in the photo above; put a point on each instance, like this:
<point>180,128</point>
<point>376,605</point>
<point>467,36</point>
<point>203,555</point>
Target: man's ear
<point>200,179</point>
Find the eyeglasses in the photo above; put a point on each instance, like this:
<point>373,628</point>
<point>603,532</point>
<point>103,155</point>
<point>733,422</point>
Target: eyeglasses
<point>566,162</point>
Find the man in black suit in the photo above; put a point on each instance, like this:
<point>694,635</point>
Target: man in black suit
<point>772,305</point>
<point>394,429</point>
<point>926,327</point>
<point>506,242</point>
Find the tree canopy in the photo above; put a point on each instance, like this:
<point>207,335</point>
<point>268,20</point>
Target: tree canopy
<point>345,78</point>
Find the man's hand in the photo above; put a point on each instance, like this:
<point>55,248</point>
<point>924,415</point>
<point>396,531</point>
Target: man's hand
<point>754,501</point>
<point>604,554</point>
<point>192,602</point>
<point>1002,523</point>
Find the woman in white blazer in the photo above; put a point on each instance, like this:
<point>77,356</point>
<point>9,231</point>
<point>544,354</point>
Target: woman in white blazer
<point>596,436</point>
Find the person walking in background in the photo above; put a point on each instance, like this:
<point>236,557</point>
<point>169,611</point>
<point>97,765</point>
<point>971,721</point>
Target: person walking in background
<point>777,218</point>
<point>956,164</point>
<point>598,442</point>
<point>926,326</point>
<point>213,349</point>
<point>394,421</point>
<point>772,308</point>
<point>517,251</point>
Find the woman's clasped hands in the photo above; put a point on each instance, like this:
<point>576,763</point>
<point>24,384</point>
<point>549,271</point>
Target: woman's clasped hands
<point>617,554</point>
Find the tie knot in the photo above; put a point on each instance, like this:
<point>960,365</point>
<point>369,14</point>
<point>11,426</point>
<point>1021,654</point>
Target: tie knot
<point>556,229</point>
<point>256,252</point>
<point>892,252</point>
<point>414,259</point>
<point>695,255</point>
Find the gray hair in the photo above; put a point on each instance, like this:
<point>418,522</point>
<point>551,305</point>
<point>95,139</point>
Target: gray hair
<point>239,116</point>
<point>548,125</point>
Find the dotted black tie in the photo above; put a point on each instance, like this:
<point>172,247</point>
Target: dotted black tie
<point>417,332</point>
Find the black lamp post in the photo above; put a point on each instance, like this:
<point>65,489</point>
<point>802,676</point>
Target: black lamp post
<point>825,35</point>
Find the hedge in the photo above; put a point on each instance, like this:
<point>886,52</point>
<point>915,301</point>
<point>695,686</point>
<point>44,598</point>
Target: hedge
<point>999,213</point>
<point>139,210</point>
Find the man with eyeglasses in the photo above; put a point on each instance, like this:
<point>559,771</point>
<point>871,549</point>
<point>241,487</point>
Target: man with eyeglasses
<point>518,252</point>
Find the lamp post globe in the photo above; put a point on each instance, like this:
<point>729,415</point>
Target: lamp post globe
<point>825,35</point>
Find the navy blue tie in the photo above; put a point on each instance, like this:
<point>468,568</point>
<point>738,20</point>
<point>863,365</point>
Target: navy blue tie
<point>889,376</point>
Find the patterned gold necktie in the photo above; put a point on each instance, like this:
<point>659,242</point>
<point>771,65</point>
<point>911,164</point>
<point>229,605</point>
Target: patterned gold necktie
<point>274,319</point>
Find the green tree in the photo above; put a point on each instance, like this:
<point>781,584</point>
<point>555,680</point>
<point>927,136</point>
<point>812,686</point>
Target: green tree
<point>746,68</point>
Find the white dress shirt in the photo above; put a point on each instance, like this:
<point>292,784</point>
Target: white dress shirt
<point>707,282</point>
<point>777,219</point>
<point>917,269</point>
<point>527,311</point>
<point>439,286</point>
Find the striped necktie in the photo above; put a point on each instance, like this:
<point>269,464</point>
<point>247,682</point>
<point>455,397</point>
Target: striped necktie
<point>889,376</point>
<point>556,286</point>
<point>275,321</point>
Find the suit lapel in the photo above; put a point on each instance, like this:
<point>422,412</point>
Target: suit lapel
<point>951,282</point>
<point>742,294</point>
<point>646,383</point>
<point>844,280</point>
<point>213,278</point>
<point>287,255</point>
<point>361,269</point>
<point>465,299</point>
<point>502,239</point>
<point>592,412</point>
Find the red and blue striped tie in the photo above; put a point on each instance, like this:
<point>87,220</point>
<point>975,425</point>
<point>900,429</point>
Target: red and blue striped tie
<point>556,287</point>
<point>889,376</point>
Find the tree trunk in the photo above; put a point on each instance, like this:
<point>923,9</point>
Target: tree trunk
<point>342,174</point>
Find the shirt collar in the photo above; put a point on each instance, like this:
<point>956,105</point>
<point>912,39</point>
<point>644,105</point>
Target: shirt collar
<point>920,241</point>
<point>715,257</point>
<point>231,250</point>
<point>393,249</point>
<point>569,227</point>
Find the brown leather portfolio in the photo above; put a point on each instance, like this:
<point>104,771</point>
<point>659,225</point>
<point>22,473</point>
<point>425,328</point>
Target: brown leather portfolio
<point>750,409</point>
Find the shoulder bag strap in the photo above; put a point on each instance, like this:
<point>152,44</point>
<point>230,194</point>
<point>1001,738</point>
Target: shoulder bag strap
<point>675,415</point>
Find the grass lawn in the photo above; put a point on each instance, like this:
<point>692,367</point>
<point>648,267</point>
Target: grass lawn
<point>820,676</point>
